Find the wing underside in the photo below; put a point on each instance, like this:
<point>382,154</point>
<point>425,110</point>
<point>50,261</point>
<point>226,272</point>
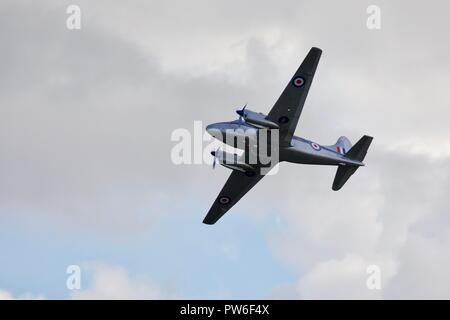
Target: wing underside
<point>237,185</point>
<point>289,105</point>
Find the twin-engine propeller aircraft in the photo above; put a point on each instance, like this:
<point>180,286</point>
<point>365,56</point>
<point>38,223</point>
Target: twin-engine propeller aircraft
<point>283,117</point>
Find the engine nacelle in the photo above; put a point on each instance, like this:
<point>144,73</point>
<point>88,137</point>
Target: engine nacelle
<point>232,161</point>
<point>257,119</point>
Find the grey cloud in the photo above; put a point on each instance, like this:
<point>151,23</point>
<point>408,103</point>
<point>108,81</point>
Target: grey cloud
<point>87,117</point>
<point>398,222</point>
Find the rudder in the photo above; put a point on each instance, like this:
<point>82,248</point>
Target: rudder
<point>342,145</point>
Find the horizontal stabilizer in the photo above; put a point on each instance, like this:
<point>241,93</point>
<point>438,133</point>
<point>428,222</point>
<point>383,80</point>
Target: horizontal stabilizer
<point>359,150</point>
<point>342,175</point>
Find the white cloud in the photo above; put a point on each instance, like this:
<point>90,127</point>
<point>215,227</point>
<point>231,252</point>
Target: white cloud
<point>6,295</point>
<point>392,213</point>
<point>114,282</point>
<point>337,279</point>
<point>424,261</point>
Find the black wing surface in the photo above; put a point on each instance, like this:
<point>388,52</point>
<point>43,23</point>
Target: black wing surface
<point>289,105</point>
<point>237,185</point>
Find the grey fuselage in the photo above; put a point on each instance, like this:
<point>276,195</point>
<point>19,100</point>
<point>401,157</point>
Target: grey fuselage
<point>300,150</point>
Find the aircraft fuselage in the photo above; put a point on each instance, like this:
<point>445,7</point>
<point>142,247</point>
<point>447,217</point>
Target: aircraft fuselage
<point>300,150</point>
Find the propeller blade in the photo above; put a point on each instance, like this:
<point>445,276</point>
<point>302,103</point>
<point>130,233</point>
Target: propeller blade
<point>214,154</point>
<point>241,112</point>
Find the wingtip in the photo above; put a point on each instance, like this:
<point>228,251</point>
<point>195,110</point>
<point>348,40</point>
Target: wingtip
<point>335,188</point>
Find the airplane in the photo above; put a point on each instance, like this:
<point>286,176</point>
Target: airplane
<point>283,117</point>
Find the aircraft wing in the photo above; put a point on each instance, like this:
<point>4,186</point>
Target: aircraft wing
<point>237,185</point>
<point>289,105</point>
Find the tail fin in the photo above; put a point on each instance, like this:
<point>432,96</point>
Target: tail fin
<point>357,152</point>
<point>342,145</point>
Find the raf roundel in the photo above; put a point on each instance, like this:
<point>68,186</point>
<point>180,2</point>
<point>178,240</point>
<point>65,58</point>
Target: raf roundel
<point>298,82</point>
<point>315,146</point>
<point>283,120</point>
<point>224,200</point>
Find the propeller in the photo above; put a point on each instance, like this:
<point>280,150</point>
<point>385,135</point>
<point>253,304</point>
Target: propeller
<point>241,112</point>
<point>214,154</point>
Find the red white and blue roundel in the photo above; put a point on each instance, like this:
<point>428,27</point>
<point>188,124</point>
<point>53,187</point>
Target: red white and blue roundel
<point>298,82</point>
<point>315,146</point>
<point>340,150</point>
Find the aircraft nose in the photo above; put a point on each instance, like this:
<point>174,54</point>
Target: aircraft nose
<point>208,128</point>
<point>213,130</point>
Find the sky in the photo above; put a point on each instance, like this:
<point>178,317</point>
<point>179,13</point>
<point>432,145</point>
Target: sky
<point>87,178</point>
